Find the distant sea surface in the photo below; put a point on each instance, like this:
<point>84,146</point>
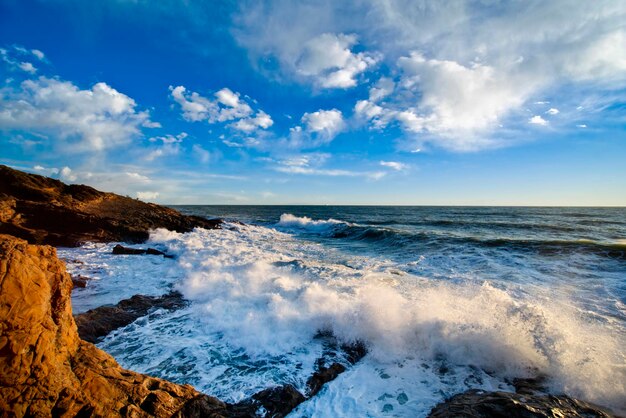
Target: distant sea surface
<point>445,298</point>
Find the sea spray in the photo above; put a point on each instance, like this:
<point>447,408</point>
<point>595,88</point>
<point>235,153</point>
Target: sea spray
<point>260,296</point>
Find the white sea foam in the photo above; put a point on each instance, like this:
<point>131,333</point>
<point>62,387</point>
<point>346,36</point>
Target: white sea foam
<point>320,226</point>
<point>259,296</point>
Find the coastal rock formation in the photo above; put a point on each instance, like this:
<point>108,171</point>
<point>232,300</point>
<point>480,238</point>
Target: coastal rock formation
<point>47,370</point>
<point>42,210</point>
<point>480,404</point>
<point>121,250</point>
<point>100,321</point>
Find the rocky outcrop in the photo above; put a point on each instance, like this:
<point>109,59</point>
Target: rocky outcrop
<point>100,321</point>
<point>47,370</point>
<point>480,404</point>
<point>42,210</point>
<point>121,250</point>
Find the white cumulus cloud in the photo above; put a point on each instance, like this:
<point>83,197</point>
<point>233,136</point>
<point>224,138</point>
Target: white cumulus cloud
<point>537,120</point>
<point>93,119</point>
<point>226,106</point>
<point>328,60</point>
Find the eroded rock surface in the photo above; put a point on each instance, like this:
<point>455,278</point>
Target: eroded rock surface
<point>480,404</point>
<point>47,370</point>
<point>100,321</point>
<point>42,210</point>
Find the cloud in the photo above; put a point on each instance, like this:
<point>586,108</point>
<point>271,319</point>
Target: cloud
<point>538,120</point>
<point>164,151</point>
<point>137,177</point>
<point>458,73</point>
<point>169,139</point>
<point>326,123</point>
<point>311,164</point>
<point>316,129</point>
<point>201,154</point>
<point>93,119</point>
<point>383,88</point>
<point>394,165</point>
<point>38,54</point>
<point>226,106</point>
<point>329,62</point>
<point>552,111</point>
<point>260,120</point>
<point>147,195</point>
<point>28,67</point>
<point>66,174</point>
<point>582,126</point>
<point>45,170</point>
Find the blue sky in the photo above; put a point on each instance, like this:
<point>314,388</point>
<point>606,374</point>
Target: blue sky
<point>282,102</point>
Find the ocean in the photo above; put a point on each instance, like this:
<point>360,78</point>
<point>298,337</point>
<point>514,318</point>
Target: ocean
<point>445,299</point>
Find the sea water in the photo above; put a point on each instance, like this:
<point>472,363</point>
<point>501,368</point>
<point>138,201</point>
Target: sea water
<point>445,299</point>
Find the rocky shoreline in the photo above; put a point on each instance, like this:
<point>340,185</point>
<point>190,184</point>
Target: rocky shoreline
<point>49,365</point>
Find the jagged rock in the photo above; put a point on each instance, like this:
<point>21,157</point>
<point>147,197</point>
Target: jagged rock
<point>479,404</point>
<point>354,352</point>
<point>120,249</point>
<point>42,210</point>
<point>79,281</point>
<point>276,402</point>
<point>322,376</point>
<point>47,370</point>
<point>98,322</point>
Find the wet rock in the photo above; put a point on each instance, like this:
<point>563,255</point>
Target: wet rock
<point>97,323</point>
<point>276,402</point>
<point>354,352</point>
<point>42,210</point>
<point>47,370</point>
<point>530,386</point>
<point>322,376</point>
<point>479,404</point>
<point>80,281</point>
<point>120,249</point>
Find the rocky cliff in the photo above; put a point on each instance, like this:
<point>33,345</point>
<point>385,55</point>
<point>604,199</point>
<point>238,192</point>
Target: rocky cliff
<point>47,370</point>
<point>42,210</point>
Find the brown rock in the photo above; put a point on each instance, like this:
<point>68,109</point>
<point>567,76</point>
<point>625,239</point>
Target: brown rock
<point>46,211</point>
<point>46,370</point>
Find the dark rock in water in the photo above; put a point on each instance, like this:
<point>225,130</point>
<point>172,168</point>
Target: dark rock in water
<point>355,352</point>
<point>42,210</point>
<point>530,386</point>
<point>479,404</point>
<point>80,281</point>
<point>120,249</point>
<point>277,402</point>
<point>323,376</point>
<point>99,322</point>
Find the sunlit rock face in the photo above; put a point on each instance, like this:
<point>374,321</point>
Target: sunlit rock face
<point>47,370</point>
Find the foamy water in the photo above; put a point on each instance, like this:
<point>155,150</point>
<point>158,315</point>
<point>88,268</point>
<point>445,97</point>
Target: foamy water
<point>260,296</point>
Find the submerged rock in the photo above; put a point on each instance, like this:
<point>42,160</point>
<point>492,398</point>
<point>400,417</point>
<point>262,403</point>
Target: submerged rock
<point>120,250</point>
<point>80,281</point>
<point>47,370</point>
<point>98,322</point>
<point>42,210</point>
<point>480,404</point>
